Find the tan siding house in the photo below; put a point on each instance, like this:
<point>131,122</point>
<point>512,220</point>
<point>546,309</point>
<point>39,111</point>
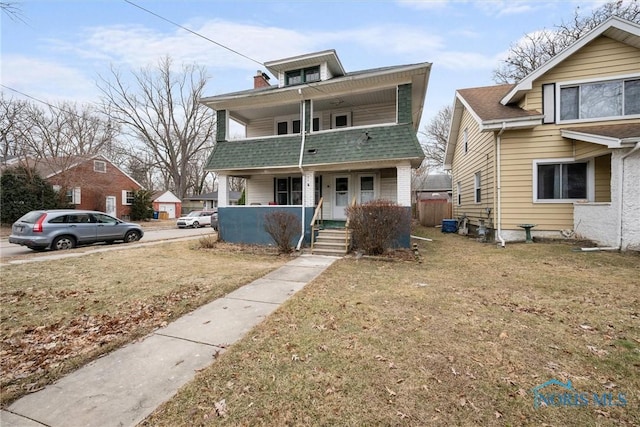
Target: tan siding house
<point>560,149</point>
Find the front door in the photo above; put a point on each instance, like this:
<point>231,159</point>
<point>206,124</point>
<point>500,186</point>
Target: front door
<point>341,197</point>
<point>110,206</point>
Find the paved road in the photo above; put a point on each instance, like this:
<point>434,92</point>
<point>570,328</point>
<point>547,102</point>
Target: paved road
<point>10,253</point>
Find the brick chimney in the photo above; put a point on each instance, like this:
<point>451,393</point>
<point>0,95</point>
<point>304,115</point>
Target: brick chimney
<point>260,80</point>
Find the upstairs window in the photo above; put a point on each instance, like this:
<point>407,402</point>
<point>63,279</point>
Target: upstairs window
<point>614,98</point>
<point>303,75</point>
<point>99,166</point>
<point>293,125</point>
<point>477,188</point>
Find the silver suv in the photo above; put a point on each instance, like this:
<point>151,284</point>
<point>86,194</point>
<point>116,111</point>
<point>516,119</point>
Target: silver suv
<point>65,229</point>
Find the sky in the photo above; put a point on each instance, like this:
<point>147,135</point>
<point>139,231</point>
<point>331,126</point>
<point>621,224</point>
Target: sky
<point>59,49</point>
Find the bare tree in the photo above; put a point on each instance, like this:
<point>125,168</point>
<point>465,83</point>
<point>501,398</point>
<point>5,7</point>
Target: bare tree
<point>437,135</point>
<point>535,49</point>
<point>54,132</point>
<point>11,10</point>
<point>162,113</point>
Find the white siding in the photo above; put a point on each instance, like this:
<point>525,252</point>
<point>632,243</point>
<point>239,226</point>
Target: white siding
<point>259,190</point>
<point>389,189</point>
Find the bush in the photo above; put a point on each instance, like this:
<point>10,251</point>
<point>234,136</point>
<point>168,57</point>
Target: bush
<point>376,225</point>
<point>283,227</point>
<point>142,206</point>
<point>207,242</point>
<point>23,190</point>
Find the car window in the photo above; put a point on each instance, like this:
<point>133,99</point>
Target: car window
<point>79,219</point>
<point>31,217</point>
<point>58,220</point>
<point>104,219</point>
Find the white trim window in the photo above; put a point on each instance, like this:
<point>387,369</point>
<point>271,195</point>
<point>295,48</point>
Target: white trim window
<point>289,125</point>
<point>367,190</point>
<point>74,196</point>
<point>127,197</point>
<point>458,194</point>
<point>477,188</point>
<point>599,100</point>
<point>100,166</point>
<point>560,180</point>
<point>341,120</point>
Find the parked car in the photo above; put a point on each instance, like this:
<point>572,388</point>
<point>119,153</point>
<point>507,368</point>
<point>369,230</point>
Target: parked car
<point>195,219</point>
<point>214,220</point>
<point>65,229</point>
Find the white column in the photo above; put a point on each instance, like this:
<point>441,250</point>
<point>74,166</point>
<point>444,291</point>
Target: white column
<point>404,184</point>
<point>223,191</point>
<point>309,188</point>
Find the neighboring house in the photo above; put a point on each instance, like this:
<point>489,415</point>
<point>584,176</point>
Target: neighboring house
<point>433,186</point>
<point>320,133</point>
<point>560,149</point>
<point>167,204</point>
<point>210,200</point>
<point>92,182</point>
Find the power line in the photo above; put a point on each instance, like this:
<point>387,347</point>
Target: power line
<point>195,33</point>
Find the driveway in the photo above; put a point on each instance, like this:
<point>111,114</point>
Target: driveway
<point>15,254</point>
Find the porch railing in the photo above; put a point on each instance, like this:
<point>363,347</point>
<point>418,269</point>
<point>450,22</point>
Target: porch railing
<point>347,241</point>
<point>316,221</point>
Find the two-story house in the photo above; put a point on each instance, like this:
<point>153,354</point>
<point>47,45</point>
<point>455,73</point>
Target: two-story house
<point>559,150</point>
<point>320,133</point>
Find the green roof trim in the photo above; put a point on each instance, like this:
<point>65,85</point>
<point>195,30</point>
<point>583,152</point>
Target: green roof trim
<point>376,143</point>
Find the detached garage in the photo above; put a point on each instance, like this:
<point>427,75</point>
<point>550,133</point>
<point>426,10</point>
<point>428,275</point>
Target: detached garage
<point>167,204</point>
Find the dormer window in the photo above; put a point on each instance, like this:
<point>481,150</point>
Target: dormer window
<point>304,75</point>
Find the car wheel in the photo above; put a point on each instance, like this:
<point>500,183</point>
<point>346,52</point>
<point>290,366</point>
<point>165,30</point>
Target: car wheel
<point>196,224</point>
<point>131,236</point>
<point>63,242</point>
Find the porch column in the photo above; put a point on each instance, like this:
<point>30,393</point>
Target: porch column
<point>309,183</point>
<point>404,185</point>
<point>223,191</point>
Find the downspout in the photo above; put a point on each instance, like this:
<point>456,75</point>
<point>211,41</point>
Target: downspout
<point>620,199</point>
<point>304,132</point>
<point>498,186</point>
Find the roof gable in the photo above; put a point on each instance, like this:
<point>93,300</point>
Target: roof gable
<point>616,28</point>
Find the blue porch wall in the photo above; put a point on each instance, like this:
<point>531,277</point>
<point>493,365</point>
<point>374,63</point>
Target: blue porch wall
<point>245,224</point>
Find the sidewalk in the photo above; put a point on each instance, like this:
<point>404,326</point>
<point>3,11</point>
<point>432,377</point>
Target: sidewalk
<point>125,386</point>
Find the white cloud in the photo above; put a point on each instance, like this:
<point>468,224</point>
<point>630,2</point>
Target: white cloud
<point>46,80</point>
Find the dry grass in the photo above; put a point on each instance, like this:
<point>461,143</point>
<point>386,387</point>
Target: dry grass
<point>458,339</point>
<point>58,315</point>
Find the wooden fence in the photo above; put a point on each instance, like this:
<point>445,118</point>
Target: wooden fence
<point>431,212</point>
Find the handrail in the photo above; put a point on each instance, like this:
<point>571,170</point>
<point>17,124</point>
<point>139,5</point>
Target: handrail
<point>313,221</point>
<point>315,214</point>
<point>346,227</point>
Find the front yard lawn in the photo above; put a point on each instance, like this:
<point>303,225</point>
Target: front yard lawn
<point>58,315</point>
<point>461,338</point>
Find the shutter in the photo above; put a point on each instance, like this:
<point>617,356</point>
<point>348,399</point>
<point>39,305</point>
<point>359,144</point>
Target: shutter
<point>549,103</point>
<point>77,196</point>
<point>124,197</point>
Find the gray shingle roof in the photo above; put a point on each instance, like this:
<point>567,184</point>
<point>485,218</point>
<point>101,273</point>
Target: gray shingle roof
<point>377,143</point>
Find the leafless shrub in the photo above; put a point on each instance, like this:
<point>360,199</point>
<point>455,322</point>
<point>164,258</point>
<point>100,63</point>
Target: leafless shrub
<point>283,227</point>
<point>376,225</point>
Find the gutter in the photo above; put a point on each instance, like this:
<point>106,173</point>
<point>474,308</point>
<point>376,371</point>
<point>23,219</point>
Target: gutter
<point>304,134</point>
<point>498,187</point>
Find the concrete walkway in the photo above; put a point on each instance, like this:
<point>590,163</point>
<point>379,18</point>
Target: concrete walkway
<point>125,386</point>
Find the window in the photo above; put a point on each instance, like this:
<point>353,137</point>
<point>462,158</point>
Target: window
<point>293,125</point>
<point>127,197</point>
<point>99,166</point>
<point>341,120</point>
<point>73,196</point>
<point>458,194</point>
<point>560,181</point>
<point>304,75</point>
<point>288,191</point>
<point>477,187</point>
<point>615,98</point>
<point>465,139</point>
<point>367,192</point>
